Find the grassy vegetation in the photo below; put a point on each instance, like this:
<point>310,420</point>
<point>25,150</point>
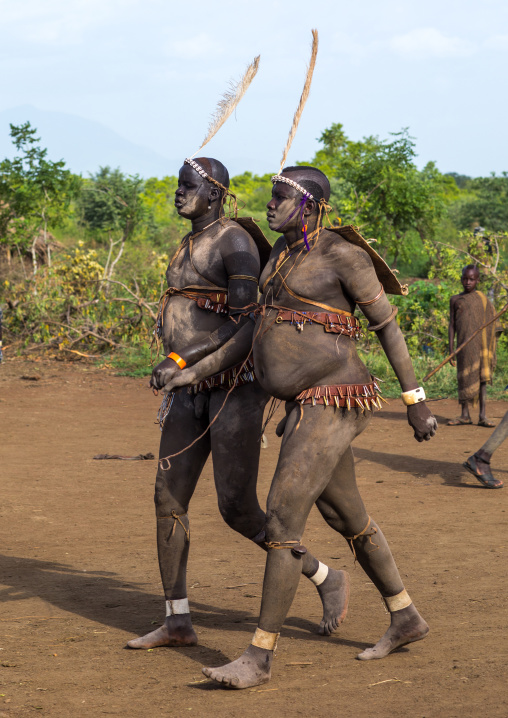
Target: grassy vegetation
<point>89,289</point>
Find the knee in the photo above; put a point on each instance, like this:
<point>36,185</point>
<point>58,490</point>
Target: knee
<point>164,500</point>
<point>348,522</point>
<point>246,520</point>
<point>282,526</point>
<point>332,517</point>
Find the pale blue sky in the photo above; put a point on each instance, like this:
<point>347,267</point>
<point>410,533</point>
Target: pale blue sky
<point>153,71</point>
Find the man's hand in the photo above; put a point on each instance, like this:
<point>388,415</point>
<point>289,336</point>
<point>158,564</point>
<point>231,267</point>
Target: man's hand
<point>163,373</point>
<point>184,377</point>
<point>420,418</point>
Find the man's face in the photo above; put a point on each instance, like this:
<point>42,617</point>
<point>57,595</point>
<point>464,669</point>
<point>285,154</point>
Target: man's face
<point>285,200</point>
<point>192,194</point>
<point>469,280</point>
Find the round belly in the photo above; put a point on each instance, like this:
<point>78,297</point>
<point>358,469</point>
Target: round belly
<point>185,323</point>
<point>288,361</point>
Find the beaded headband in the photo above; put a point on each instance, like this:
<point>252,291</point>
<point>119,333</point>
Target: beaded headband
<point>196,166</point>
<point>295,185</point>
<point>323,205</point>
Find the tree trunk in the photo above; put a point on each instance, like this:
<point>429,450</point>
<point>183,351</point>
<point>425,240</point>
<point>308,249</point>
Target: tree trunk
<point>46,243</point>
<point>34,257</point>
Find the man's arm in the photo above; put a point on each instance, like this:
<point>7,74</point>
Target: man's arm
<point>360,281</point>
<point>230,354</point>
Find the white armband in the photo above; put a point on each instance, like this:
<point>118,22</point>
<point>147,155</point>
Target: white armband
<point>415,396</point>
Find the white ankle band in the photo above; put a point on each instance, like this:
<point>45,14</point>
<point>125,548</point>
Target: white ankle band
<point>398,602</point>
<point>266,640</point>
<point>180,605</point>
<point>320,575</point>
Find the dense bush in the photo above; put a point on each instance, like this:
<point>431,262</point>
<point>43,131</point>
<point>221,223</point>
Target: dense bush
<point>91,288</point>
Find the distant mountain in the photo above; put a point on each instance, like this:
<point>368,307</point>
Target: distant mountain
<point>85,145</point>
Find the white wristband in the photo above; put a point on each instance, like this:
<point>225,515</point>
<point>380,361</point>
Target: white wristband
<point>415,396</point>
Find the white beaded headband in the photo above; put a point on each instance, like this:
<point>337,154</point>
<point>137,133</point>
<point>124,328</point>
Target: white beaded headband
<point>196,166</point>
<point>295,185</point>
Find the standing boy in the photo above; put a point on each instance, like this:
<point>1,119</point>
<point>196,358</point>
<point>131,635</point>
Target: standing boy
<point>475,363</point>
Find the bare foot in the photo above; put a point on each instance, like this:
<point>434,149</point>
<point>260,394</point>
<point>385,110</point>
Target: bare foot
<point>406,626</point>
<point>334,594</point>
<point>175,631</point>
<point>253,668</point>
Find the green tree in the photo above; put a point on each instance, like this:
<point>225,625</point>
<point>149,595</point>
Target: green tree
<point>485,203</point>
<point>163,226</point>
<point>253,192</point>
<point>112,209</point>
<point>34,193</point>
<point>377,186</point>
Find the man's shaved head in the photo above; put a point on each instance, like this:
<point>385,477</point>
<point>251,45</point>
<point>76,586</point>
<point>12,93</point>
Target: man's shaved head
<point>311,179</point>
<point>215,169</point>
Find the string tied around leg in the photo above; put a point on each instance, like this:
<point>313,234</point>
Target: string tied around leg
<point>295,546</point>
<point>176,519</point>
<point>373,532</point>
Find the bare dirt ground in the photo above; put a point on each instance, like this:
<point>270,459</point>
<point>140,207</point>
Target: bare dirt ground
<point>79,573</point>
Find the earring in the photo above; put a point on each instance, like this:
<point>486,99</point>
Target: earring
<point>304,228</point>
<point>209,205</point>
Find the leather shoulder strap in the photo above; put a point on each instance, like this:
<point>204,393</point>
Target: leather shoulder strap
<point>334,310</point>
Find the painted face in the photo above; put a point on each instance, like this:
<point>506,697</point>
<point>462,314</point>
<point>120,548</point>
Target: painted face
<point>285,200</point>
<point>192,194</point>
<point>469,280</point>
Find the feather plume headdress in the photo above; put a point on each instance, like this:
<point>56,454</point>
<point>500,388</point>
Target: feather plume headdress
<point>303,99</point>
<point>225,107</point>
<point>292,132</point>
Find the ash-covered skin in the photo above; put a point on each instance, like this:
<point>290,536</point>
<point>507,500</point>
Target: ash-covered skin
<point>316,462</point>
<point>222,250</point>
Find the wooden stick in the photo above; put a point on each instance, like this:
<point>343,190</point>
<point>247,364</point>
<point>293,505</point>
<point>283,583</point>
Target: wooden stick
<point>458,349</point>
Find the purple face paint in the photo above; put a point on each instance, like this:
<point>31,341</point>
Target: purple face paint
<point>304,226</point>
<point>302,205</point>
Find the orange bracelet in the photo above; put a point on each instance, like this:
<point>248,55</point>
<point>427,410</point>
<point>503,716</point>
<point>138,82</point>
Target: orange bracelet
<point>178,359</point>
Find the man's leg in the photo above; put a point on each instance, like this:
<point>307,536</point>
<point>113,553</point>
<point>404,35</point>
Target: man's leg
<point>235,441</point>
<point>482,418</point>
<point>306,464</point>
<point>173,490</point>
<point>496,438</point>
<point>464,417</point>
<point>342,507</point>
<point>479,463</point>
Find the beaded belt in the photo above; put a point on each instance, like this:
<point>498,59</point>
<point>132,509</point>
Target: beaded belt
<point>211,301</point>
<point>333,323</point>
<point>236,376</point>
<point>350,396</point>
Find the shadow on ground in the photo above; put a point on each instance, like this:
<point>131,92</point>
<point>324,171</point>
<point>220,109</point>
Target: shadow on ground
<point>101,597</point>
<point>451,472</point>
